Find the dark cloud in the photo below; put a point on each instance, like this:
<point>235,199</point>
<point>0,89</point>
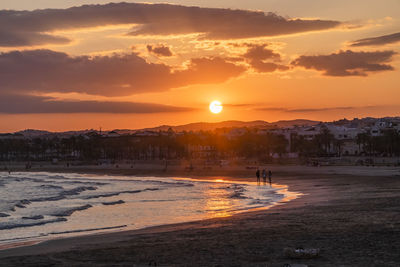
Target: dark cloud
<point>159,50</point>
<point>18,27</point>
<point>258,55</point>
<point>208,70</point>
<point>380,40</point>
<point>115,75</point>
<point>347,63</point>
<point>261,66</point>
<point>21,104</point>
<point>29,39</point>
<point>260,52</point>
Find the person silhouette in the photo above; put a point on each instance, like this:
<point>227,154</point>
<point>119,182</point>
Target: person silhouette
<point>264,175</point>
<point>270,177</point>
<point>258,175</point>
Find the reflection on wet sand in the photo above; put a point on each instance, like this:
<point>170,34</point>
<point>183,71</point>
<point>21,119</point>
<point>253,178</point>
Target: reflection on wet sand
<point>218,204</point>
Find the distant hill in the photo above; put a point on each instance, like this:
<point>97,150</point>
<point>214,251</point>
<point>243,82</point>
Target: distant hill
<point>197,126</point>
<point>207,126</point>
<point>33,133</point>
<point>40,133</point>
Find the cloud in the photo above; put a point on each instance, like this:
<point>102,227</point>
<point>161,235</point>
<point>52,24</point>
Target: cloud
<point>240,105</point>
<point>380,40</point>
<point>307,110</point>
<point>10,39</point>
<point>21,104</point>
<point>347,63</point>
<point>115,75</point>
<point>32,27</point>
<point>257,55</point>
<point>260,52</point>
<point>159,50</point>
<point>261,66</point>
<point>271,109</point>
<point>208,70</point>
<point>310,110</point>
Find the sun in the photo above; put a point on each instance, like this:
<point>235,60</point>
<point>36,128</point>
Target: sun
<point>216,107</point>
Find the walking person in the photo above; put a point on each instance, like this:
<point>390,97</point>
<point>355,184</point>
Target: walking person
<point>270,177</point>
<point>264,175</point>
<point>258,176</point>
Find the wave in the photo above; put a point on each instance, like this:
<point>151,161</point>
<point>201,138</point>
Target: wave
<point>50,186</point>
<point>238,195</point>
<point>151,189</point>
<point>238,192</point>
<point>21,204</point>
<point>64,194</point>
<point>112,194</point>
<point>158,200</point>
<point>114,202</point>
<point>88,230</point>
<point>54,179</point>
<point>56,176</point>
<point>23,179</point>
<point>80,182</point>
<point>174,183</point>
<point>36,217</point>
<point>70,211</point>
<point>22,238</point>
<point>53,198</point>
<point>4,214</point>
<point>178,183</point>
<point>256,202</point>
<point>7,226</point>
<point>78,190</point>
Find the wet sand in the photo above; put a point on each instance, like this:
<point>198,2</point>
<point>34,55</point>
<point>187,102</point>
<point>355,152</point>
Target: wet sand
<point>351,213</point>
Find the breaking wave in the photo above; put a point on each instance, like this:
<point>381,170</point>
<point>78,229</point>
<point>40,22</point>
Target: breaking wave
<point>4,226</point>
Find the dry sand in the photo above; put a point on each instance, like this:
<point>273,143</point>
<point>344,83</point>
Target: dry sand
<point>351,213</point>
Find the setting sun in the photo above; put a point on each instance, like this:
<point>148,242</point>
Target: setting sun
<point>216,107</point>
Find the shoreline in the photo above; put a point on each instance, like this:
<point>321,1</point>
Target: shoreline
<point>234,171</point>
<point>333,203</point>
<point>281,189</point>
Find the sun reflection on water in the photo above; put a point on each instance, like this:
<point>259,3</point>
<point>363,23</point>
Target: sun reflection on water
<point>217,203</point>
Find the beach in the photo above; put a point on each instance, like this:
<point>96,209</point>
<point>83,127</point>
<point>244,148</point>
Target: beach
<point>350,213</point>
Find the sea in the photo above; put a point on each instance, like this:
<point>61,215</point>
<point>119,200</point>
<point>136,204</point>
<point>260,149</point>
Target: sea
<point>43,205</point>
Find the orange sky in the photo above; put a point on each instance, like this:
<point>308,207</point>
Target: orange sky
<point>132,66</point>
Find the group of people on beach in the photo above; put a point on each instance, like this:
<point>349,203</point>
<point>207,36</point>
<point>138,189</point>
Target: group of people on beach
<point>264,176</point>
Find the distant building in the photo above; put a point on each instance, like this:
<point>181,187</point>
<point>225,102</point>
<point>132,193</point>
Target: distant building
<point>343,132</point>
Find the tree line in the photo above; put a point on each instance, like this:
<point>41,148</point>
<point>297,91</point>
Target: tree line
<point>191,145</point>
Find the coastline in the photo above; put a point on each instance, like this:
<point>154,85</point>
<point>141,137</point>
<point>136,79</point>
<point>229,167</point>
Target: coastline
<point>323,189</point>
<point>125,226</point>
<point>278,189</point>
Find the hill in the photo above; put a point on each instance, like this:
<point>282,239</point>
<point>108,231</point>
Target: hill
<point>207,126</point>
<point>197,126</point>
